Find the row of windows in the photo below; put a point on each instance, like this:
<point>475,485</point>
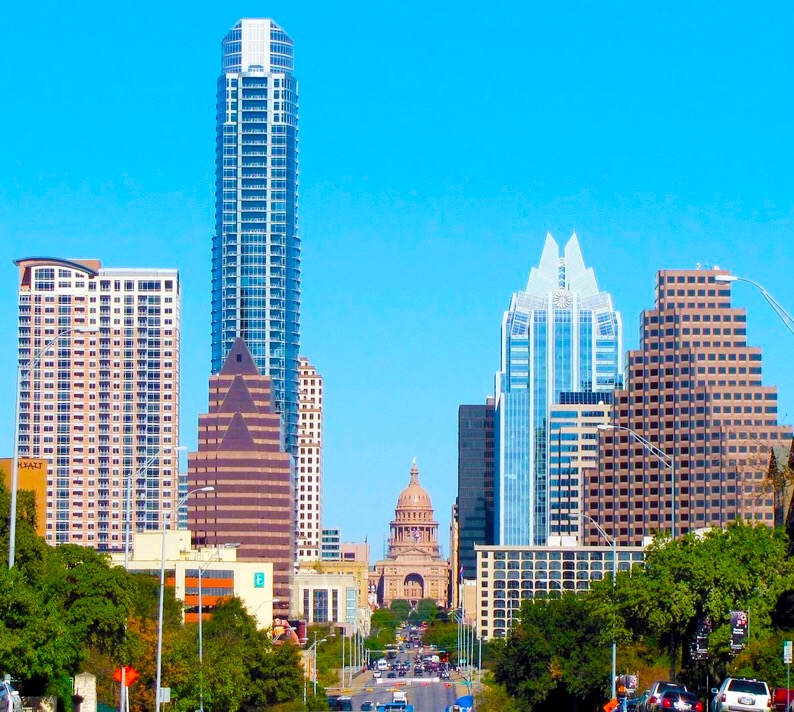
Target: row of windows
<point>725,315</point>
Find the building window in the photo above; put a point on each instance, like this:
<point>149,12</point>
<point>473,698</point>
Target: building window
<point>320,606</point>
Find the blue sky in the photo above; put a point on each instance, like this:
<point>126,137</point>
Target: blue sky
<point>439,143</point>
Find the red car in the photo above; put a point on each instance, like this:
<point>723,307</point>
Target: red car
<point>783,699</point>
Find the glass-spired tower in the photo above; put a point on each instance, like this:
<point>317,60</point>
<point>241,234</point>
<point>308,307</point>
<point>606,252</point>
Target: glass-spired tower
<point>560,335</point>
<point>256,248</point>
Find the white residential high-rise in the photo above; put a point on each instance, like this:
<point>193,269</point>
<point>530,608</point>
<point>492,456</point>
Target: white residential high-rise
<point>309,499</point>
<point>99,395</point>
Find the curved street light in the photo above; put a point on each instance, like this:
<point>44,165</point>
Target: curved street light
<point>613,544</point>
<point>785,317</point>
<point>166,519</point>
<point>660,455</point>
<point>150,460</point>
<point>313,649</point>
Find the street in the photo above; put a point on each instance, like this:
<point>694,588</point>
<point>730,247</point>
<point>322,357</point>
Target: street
<point>426,694</point>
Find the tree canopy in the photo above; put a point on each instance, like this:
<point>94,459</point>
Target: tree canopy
<point>67,609</point>
<point>557,654</point>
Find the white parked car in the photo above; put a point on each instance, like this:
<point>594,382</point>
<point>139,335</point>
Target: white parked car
<point>740,694</point>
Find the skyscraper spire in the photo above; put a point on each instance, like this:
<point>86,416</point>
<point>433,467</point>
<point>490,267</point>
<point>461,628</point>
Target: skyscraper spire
<point>560,335</point>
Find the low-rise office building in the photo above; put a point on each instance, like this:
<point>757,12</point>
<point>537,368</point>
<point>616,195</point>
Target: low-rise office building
<point>222,575</point>
<point>506,575</point>
<point>359,570</point>
<point>321,598</point>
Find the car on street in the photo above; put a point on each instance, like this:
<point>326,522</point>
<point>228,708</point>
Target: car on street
<point>637,704</point>
<point>783,699</point>
<point>10,701</point>
<point>377,673</point>
<point>680,701</point>
<point>657,690</point>
<point>741,694</point>
<point>367,705</point>
<point>391,673</point>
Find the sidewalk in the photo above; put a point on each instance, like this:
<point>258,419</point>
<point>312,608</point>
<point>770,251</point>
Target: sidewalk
<point>462,686</point>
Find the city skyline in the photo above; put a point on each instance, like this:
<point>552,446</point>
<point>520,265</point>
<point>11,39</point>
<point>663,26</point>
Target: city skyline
<point>411,238</point>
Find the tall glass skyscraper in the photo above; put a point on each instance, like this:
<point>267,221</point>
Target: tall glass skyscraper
<point>560,335</point>
<point>256,248</point>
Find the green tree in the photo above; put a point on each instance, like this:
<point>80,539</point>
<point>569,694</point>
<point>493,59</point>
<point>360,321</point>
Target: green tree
<point>494,698</point>
<point>443,635</point>
<point>55,605</point>
<point>401,609</point>
<point>553,656</point>
<point>383,626</point>
<point>427,610</point>
<point>276,675</point>
<point>741,567</point>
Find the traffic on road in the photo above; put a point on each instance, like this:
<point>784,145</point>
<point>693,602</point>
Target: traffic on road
<point>406,677</point>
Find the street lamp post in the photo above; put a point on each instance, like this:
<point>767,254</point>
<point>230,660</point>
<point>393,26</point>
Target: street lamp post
<point>22,372</point>
<point>314,664</point>
<point>513,608</point>
<point>659,454</point>
<point>785,317</point>
<point>128,496</point>
<point>166,519</point>
<point>216,552</point>
<point>613,544</point>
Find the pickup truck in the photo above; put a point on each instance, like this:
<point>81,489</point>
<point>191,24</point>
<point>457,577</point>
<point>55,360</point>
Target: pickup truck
<point>782,697</point>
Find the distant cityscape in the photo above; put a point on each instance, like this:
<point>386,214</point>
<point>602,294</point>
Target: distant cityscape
<point>582,454</point>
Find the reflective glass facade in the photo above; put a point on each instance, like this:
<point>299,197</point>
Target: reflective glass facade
<point>560,335</point>
<point>256,248</point>
<point>475,482</point>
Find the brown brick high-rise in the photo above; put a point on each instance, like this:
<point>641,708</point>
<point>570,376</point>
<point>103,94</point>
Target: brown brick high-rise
<point>241,453</point>
<point>694,390</point>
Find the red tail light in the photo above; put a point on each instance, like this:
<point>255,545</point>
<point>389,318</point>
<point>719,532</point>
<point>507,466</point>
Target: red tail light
<point>698,707</point>
<point>652,700</point>
<point>667,702</point>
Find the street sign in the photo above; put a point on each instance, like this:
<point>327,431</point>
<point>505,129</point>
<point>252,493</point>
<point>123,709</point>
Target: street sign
<point>130,675</point>
<point>788,652</point>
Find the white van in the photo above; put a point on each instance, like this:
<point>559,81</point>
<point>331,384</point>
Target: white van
<point>382,664</point>
<point>399,696</point>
